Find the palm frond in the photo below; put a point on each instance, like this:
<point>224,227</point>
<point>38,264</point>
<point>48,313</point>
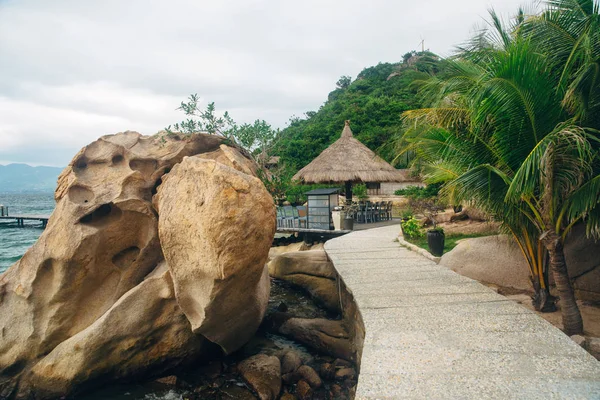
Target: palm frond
<point>585,203</point>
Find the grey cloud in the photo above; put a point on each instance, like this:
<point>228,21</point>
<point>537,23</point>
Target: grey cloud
<point>255,58</point>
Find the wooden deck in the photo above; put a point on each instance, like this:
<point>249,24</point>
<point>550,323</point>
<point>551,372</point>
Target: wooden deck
<point>21,218</point>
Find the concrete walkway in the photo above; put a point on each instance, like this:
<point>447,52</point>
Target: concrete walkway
<point>434,334</point>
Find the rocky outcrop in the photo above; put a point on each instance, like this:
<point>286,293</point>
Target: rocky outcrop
<point>313,272</point>
<point>95,299</point>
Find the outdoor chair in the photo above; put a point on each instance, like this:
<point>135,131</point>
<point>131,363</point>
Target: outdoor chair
<point>378,210</point>
<point>369,214</point>
<point>296,215</point>
<point>288,216</point>
<point>360,212</point>
<point>280,217</point>
<point>383,211</point>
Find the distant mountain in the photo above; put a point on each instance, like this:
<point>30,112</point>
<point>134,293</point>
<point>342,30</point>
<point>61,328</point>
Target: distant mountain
<point>23,178</point>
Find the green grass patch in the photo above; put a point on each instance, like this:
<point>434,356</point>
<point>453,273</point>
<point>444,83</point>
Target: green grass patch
<point>449,242</point>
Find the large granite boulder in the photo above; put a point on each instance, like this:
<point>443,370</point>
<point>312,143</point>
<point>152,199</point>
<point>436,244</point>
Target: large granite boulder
<point>492,259</point>
<point>212,233</point>
<point>95,299</point>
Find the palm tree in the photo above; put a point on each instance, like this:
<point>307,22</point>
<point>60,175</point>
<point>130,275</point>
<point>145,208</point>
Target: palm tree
<point>501,135</point>
<point>568,32</point>
<point>556,183</point>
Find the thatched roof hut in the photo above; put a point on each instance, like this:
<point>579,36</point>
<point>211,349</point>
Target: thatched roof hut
<point>348,160</point>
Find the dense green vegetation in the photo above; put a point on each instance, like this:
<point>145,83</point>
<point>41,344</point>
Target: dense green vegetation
<point>419,192</point>
<point>512,127</point>
<point>411,228</point>
<point>373,103</point>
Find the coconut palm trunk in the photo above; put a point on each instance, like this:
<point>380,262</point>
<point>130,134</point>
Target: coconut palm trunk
<point>572,321</point>
<point>534,253</point>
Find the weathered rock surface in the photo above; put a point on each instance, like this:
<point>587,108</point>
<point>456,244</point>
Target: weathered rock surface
<point>312,271</point>
<point>583,262</point>
<point>263,374</point>
<point>345,373</point>
<point>305,373</point>
<point>580,340</point>
<point>327,336</point>
<point>299,246</point>
<point>327,370</point>
<point>170,380</point>
<point>208,209</point>
<point>336,392</point>
<point>310,376</point>
<point>492,259</point>
<point>303,390</point>
<point>290,362</point>
<point>593,346</point>
<point>94,299</point>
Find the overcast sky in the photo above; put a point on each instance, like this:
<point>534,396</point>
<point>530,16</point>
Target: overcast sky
<point>73,70</point>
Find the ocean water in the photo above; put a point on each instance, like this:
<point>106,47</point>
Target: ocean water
<point>14,240</point>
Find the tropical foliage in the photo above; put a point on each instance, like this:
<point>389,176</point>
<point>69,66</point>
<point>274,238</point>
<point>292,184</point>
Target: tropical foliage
<point>418,192</point>
<point>373,103</point>
<point>258,137</point>
<point>511,127</point>
<point>360,191</point>
<point>411,228</point>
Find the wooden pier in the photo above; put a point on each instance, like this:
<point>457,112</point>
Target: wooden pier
<point>21,218</point>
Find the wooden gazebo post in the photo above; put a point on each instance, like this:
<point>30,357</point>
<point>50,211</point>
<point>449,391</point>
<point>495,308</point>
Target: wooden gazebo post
<point>348,192</point>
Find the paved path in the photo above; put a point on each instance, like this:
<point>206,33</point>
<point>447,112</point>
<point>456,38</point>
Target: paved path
<point>434,334</point>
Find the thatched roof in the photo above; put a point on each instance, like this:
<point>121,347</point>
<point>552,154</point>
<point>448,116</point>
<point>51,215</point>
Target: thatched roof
<point>347,159</point>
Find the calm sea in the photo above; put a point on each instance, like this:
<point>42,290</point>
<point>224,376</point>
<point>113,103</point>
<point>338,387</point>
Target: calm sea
<point>14,240</point>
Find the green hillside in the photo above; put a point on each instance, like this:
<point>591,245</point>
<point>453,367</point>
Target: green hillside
<point>373,104</point>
